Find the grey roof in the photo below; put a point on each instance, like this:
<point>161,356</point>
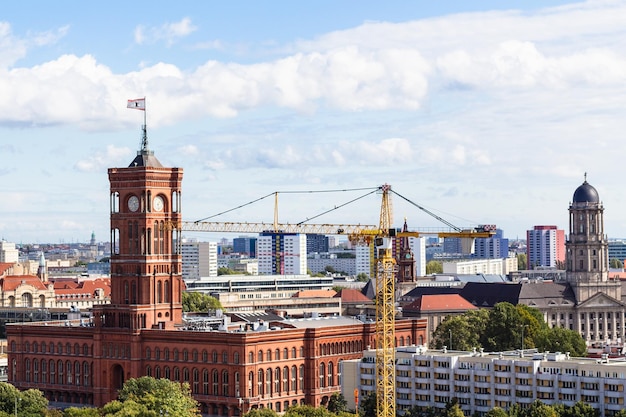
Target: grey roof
<point>145,158</point>
<point>488,294</point>
<point>546,294</point>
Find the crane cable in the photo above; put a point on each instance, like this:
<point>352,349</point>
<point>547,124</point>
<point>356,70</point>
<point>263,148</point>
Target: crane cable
<point>295,192</point>
<point>337,207</point>
<point>442,220</point>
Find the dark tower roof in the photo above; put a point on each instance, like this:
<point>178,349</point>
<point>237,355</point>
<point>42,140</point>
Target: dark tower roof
<point>586,193</point>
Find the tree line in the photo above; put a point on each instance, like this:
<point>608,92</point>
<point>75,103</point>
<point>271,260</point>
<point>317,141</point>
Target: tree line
<point>506,327</point>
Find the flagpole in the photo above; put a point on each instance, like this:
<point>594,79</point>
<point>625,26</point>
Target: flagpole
<point>144,144</point>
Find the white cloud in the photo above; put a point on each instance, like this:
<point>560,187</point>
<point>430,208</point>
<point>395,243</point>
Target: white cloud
<point>168,32</point>
<point>100,161</point>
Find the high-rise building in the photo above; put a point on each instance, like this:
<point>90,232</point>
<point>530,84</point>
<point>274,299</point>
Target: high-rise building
<point>545,247</point>
<point>245,245</point>
<point>199,259</point>
<point>317,244</point>
<point>364,254</point>
<point>492,247</point>
<point>281,254</point>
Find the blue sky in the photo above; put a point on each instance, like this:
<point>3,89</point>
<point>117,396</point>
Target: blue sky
<point>489,112</point>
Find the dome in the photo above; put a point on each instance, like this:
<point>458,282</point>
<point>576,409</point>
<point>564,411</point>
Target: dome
<point>586,193</point>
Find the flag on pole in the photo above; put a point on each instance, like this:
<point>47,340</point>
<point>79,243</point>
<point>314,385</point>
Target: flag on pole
<point>138,104</point>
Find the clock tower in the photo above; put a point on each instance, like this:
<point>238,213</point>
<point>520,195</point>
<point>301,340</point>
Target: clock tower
<point>405,259</point>
<point>146,263</point>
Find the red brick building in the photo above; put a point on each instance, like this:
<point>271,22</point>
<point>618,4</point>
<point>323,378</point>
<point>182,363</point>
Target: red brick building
<point>142,331</point>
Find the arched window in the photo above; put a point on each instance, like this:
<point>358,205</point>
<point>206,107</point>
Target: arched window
<point>205,382</point>
<point>285,353</point>
<point>277,354</point>
<point>251,357</point>
<point>159,292</point>
<point>225,390</point>
<point>301,378</point>
<point>260,356</point>
<point>215,381</point>
<point>236,357</point>
<point>196,381</point>
<point>214,356</point>
<point>286,379</point>
<point>224,357</point>
<point>294,378</point>
<point>167,290</point>
<point>331,375</point>
<point>322,375</point>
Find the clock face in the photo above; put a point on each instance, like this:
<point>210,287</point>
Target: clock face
<point>133,203</point>
<point>157,203</point>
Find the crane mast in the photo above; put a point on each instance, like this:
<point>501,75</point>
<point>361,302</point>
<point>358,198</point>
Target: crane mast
<point>385,312</point>
<point>385,271</point>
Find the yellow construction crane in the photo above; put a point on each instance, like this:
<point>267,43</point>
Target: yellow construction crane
<point>382,237</point>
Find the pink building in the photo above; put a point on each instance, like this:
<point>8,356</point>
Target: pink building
<point>545,246</point>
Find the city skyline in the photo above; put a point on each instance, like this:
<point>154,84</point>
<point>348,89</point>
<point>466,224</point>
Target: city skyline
<point>486,113</point>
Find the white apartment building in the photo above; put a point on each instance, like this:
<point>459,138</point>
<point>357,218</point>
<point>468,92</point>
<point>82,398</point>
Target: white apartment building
<point>481,266</point>
<point>199,259</point>
<point>363,260</point>
<point>481,381</point>
<point>8,252</point>
<point>418,247</point>
<point>281,254</point>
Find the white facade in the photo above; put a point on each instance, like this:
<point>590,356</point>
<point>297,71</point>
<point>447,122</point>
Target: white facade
<point>317,262</point>
<point>418,247</point>
<point>282,254</point>
<point>481,381</point>
<point>478,266</point>
<point>8,252</point>
<point>363,262</point>
<point>199,259</point>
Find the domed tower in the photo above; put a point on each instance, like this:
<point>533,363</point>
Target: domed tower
<point>587,246</point>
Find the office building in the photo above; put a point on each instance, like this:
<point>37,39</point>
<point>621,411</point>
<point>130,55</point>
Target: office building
<point>245,245</point>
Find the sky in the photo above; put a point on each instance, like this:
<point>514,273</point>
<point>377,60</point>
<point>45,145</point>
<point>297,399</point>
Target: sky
<point>485,113</point>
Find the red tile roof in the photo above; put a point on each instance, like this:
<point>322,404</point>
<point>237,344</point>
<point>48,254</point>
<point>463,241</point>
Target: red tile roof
<point>11,282</point>
<point>349,295</point>
<point>315,293</point>
<point>5,266</point>
<point>68,288</point>
<point>440,302</point>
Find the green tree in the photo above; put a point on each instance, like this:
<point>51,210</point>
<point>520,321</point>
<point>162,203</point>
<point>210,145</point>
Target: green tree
<point>330,269</point>
<point>522,263</point>
<point>559,339</point>
<point>434,267</point>
<point>580,409</point>
<point>496,412</point>
<point>456,333</point>
<point>616,264</point>
<point>261,412</point>
<point>29,403</point>
<point>504,328</point>
<point>81,412</point>
<point>195,301</point>
<point>159,395</point>
<point>453,409</point>
<point>362,277</point>
<point>308,411</point>
<point>368,406</point>
<point>226,271</point>
<point>337,403</point>
<point>539,409</point>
